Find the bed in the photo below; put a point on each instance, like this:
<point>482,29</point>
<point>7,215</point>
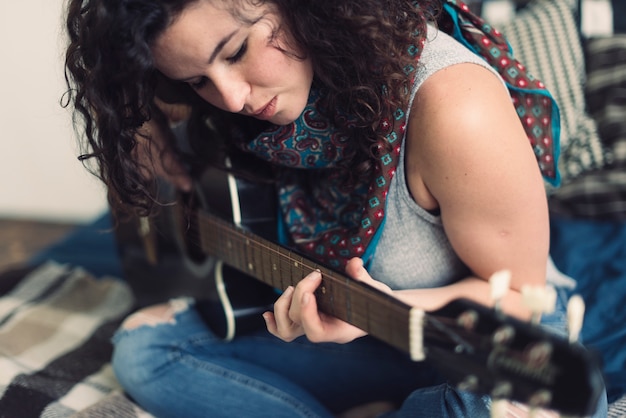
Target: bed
<point>59,311</point>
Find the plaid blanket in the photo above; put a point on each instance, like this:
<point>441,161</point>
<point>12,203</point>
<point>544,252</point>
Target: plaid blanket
<point>55,327</point>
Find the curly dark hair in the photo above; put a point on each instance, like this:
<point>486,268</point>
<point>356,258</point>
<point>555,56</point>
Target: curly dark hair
<point>356,47</point>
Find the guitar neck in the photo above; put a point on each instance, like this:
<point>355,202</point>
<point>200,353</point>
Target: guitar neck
<point>379,314</point>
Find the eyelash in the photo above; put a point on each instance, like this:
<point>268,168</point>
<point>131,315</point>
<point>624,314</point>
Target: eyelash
<point>239,54</point>
<point>233,59</point>
<point>199,84</point>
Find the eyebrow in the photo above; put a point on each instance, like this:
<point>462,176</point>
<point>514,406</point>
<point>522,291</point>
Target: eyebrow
<point>218,48</point>
<point>221,44</point>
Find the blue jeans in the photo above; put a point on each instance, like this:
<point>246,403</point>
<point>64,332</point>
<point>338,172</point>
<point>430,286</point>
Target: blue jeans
<point>181,369</point>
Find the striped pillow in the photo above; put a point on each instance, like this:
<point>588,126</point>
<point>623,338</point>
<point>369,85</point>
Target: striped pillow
<point>606,93</point>
<point>602,194</point>
<point>545,37</point>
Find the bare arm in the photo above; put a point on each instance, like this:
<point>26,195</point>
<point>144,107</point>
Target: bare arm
<point>468,156</point>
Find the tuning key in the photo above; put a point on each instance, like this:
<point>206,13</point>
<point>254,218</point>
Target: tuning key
<point>502,408</point>
<point>499,408</point>
<point>502,390</point>
<point>539,300</point>
<point>468,320</point>
<point>575,315</point>
<point>469,384</point>
<point>540,400</point>
<point>499,283</point>
<point>504,335</point>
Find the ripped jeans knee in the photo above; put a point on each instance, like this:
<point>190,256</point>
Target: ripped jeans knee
<point>146,340</point>
<point>164,313</point>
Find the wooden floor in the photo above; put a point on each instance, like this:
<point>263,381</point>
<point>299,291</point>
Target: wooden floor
<point>21,239</point>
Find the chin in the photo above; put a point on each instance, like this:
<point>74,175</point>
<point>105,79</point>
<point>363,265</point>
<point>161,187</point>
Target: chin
<point>282,119</point>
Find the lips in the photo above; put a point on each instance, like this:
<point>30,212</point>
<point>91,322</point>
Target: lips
<point>267,111</point>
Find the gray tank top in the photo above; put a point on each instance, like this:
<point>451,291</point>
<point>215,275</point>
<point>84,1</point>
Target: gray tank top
<point>412,250</point>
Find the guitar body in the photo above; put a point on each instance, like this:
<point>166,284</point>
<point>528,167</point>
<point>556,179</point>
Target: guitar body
<point>235,301</point>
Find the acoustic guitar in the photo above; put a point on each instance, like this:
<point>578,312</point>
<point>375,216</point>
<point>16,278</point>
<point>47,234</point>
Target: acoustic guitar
<point>478,348</point>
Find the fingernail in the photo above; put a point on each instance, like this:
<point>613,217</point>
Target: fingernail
<point>314,275</point>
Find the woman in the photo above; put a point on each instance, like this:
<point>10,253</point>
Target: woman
<point>393,146</point>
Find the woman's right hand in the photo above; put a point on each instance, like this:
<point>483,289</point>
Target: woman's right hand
<point>154,151</point>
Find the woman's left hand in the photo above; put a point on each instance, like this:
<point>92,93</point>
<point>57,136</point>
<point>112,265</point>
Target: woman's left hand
<point>296,314</point>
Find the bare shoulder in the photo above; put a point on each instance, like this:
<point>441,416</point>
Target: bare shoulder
<point>463,122</point>
<point>462,98</point>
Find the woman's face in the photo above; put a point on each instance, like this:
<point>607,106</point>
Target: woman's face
<point>233,65</point>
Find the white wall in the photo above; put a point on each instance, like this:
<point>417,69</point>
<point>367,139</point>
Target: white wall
<point>40,176</point>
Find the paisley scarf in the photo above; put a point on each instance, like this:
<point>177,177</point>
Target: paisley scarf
<point>333,223</point>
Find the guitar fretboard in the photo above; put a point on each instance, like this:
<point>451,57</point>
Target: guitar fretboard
<point>379,314</point>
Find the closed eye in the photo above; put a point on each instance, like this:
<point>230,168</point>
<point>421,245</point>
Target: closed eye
<point>239,54</point>
<point>196,85</point>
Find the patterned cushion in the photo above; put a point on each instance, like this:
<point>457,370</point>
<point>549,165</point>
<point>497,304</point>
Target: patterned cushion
<point>606,93</point>
<point>598,195</point>
<point>619,19</point>
<point>544,36</point>
<point>602,193</point>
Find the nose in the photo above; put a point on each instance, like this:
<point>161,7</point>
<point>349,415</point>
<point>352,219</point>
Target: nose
<point>229,93</point>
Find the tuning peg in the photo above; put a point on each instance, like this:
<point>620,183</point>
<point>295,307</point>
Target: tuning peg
<point>539,300</point>
<point>575,315</point>
<point>499,408</point>
<point>499,283</point>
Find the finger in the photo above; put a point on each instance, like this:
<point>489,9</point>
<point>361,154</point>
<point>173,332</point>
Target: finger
<point>312,324</point>
<point>270,323</point>
<point>320,327</point>
<point>282,304</point>
<point>356,270</point>
<point>286,329</point>
<point>307,285</point>
<point>175,112</point>
<point>304,310</point>
<point>174,172</point>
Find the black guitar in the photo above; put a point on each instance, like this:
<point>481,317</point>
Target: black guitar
<point>477,347</point>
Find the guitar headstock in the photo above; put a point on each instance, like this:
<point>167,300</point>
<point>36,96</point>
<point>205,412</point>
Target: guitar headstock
<point>483,350</point>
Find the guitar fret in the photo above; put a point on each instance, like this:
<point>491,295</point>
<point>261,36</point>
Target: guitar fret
<point>257,258</point>
<point>249,264</point>
<point>241,254</point>
<point>297,273</point>
<point>273,269</point>
<point>283,269</point>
